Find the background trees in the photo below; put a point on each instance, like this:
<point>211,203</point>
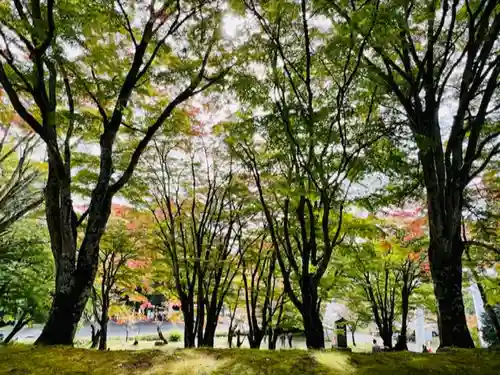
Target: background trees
<point>329,110</point>
<point>26,275</point>
<point>19,175</point>
<point>426,54</point>
<point>201,222</point>
<point>53,91</point>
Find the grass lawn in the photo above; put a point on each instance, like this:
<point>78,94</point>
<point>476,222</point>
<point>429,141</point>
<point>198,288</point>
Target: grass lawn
<point>26,359</point>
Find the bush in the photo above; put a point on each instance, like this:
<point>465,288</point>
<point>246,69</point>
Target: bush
<point>488,330</point>
<point>175,337</point>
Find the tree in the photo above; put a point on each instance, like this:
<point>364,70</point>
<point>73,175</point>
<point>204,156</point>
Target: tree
<point>309,151</point>
<point>489,330</point>
<point>383,262</point>
<point>118,247</point>
<point>200,223</point>
<point>424,52</point>
<point>26,275</point>
<point>482,245</point>
<point>263,297</point>
<point>126,53</point>
<point>18,175</point>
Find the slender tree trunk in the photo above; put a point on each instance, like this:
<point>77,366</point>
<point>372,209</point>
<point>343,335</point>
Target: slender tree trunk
<point>353,336</point>
<point>95,335</point>
<point>447,278</point>
<point>103,340</point>
<point>272,338</point>
<point>160,334</point>
<point>401,344</point>
<point>21,322</point>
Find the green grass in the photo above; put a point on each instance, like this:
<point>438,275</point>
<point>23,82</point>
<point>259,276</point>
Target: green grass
<point>26,359</point>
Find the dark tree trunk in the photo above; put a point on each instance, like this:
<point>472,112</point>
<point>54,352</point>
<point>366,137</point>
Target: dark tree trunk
<point>255,339</point>
<point>95,335</point>
<point>74,277</point>
<point>387,335</point>
<point>67,309</point>
<point>21,322</point>
<point>272,339</point>
<point>103,340</point>
<point>209,335</point>
<point>240,339</point>
<point>160,334</point>
<point>353,338</point>
<point>189,328</point>
<point>313,327</point>
<point>447,278</point>
<point>230,335</point>
<point>401,344</point>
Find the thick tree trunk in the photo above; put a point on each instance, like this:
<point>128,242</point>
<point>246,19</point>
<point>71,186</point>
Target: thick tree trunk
<point>255,339</point>
<point>447,278</point>
<point>67,309</point>
<point>209,335</point>
<point>313,328</point>
<point>387,335</point>
<point>189,334</point>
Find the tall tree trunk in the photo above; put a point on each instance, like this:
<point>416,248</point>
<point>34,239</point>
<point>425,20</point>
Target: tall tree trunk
<point>67,309</point>
<point>20,323</point>
<point>447,279</point>
<point>402,341</point>
<point>95,335</point>
<point>189,328</point>
<point>313,327</point>
<point>387,334</point>
<point>210,328</point>
<point>103,340</point>
<point>353,336</point>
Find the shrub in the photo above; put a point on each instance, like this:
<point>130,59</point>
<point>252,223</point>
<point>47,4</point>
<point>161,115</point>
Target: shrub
<point>175,337</point>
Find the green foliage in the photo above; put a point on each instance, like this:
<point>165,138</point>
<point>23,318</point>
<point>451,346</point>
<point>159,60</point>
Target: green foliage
<point>26,273</point>
<point>19,174</point>
<point>175,337</point>
<point>488,329</point>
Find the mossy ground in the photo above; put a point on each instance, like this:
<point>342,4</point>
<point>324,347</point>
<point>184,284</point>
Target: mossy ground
<point>25,359</point>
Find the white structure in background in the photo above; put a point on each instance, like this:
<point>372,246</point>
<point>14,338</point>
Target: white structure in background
<point>478,300</point>
<point>479,309</point>
<point>420,337</point>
